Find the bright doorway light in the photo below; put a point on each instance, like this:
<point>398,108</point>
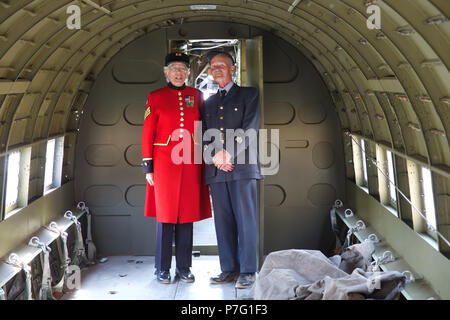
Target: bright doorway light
<point>392,190</point>
<point>363,147</point>
<point>428,197</point>
<point>12,183</point>
<point>49,162</point>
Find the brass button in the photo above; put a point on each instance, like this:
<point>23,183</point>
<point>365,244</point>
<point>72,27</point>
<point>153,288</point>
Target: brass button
<point>181,130</point>
<point>221,107</point>
<point>181,119</point>
<point>235,109</point>
<point>181,113</point>
<point>221,118</point>
<point>181,108</point>
<point>179,93</point>
<point>180,98</point>
<point>221,128</point>
<point>181,124</point>
<point>181,103</point>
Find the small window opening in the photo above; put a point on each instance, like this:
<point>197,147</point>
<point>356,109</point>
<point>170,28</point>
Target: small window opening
<point>363,147</point>
<point>392,190</point>
<point>428,197</point>
<point>12,182</point>
<point>53,164</point>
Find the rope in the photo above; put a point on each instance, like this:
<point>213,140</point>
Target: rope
<point>429,226</point>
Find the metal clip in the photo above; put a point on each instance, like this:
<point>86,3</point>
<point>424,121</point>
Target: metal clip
<point>373,237</point>
<point>81,205</point>
<point>359,225</point>
<point>338,203</point>
<point>36,242</point>
<point>14,259</point>
<point>409,276</point>
<point>69,215</point>
<point>348,213</point>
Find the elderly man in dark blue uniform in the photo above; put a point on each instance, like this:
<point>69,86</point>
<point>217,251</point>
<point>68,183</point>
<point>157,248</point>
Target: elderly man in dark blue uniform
<point>233,116</point>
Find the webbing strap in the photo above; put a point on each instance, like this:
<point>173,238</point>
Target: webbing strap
<point>2,294</point>
<point>79,254</point>
<point>45,293</point>
<point>63,253</point>
<point>92,250</point>
<point>15,261</point>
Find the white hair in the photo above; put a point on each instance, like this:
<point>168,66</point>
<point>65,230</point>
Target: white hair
<point>166,70</point>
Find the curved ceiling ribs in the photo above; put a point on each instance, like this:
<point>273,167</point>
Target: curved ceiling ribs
<point>358,65</point>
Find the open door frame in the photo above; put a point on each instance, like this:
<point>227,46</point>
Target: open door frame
<point>252,76</point>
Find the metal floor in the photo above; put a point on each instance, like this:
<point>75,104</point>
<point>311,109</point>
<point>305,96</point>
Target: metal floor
<point>132,278</point>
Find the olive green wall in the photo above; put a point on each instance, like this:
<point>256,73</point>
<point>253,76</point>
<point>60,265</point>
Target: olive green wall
<point>415,250</point>
<point>17,230</point>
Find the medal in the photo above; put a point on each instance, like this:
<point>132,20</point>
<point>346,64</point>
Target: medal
<point>189,101</point>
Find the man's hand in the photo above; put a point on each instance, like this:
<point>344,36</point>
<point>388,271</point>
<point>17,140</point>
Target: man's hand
<point>222,160</point>
<point>149,177</point>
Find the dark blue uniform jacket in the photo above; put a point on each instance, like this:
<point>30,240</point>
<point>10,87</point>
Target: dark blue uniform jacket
<point>238,110</point>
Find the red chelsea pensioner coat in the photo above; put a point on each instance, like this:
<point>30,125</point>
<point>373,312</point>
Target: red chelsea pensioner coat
<point>179,193</point>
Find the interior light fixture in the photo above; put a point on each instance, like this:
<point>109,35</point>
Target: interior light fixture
<point>203,7</point>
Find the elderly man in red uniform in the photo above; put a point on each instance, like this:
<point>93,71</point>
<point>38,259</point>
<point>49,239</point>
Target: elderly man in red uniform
<point>176,193</point>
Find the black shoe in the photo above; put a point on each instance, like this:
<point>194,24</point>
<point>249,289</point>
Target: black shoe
<point>185,275</point>
<point>224,277</point>
<point>163,276</point>
<point>245,280</point>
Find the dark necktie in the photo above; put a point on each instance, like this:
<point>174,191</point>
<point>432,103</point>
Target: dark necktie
<point>222,93</point>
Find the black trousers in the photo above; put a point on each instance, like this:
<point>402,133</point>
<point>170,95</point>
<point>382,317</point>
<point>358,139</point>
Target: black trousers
<point>235,211</point>
<point>183,245</point>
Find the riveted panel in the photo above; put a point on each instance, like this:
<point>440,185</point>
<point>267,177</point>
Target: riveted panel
<point>134,114</point>
<point>103,195</point>
<point>284,70</point>
<point>278,113</point>
<point>133,155</point>
<point>111,234</point>
<point>274,195</point>
<point>106,115</point>
<point>310,176</point>
<point>312,113</point>
<point>323,155</point>
<point>135,195</point>
<point>322,194</point>
<point>129,71</point>
<point>102,155</point>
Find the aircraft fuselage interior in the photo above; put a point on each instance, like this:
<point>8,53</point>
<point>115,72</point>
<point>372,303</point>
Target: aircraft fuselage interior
<point>354,100</point>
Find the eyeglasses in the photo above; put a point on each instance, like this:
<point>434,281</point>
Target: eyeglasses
<point>180,69</point>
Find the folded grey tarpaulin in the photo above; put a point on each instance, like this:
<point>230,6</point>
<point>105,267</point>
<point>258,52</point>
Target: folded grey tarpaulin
<point>310,275</point>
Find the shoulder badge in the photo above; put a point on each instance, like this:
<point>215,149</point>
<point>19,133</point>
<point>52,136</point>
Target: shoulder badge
<point>147,112</point>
